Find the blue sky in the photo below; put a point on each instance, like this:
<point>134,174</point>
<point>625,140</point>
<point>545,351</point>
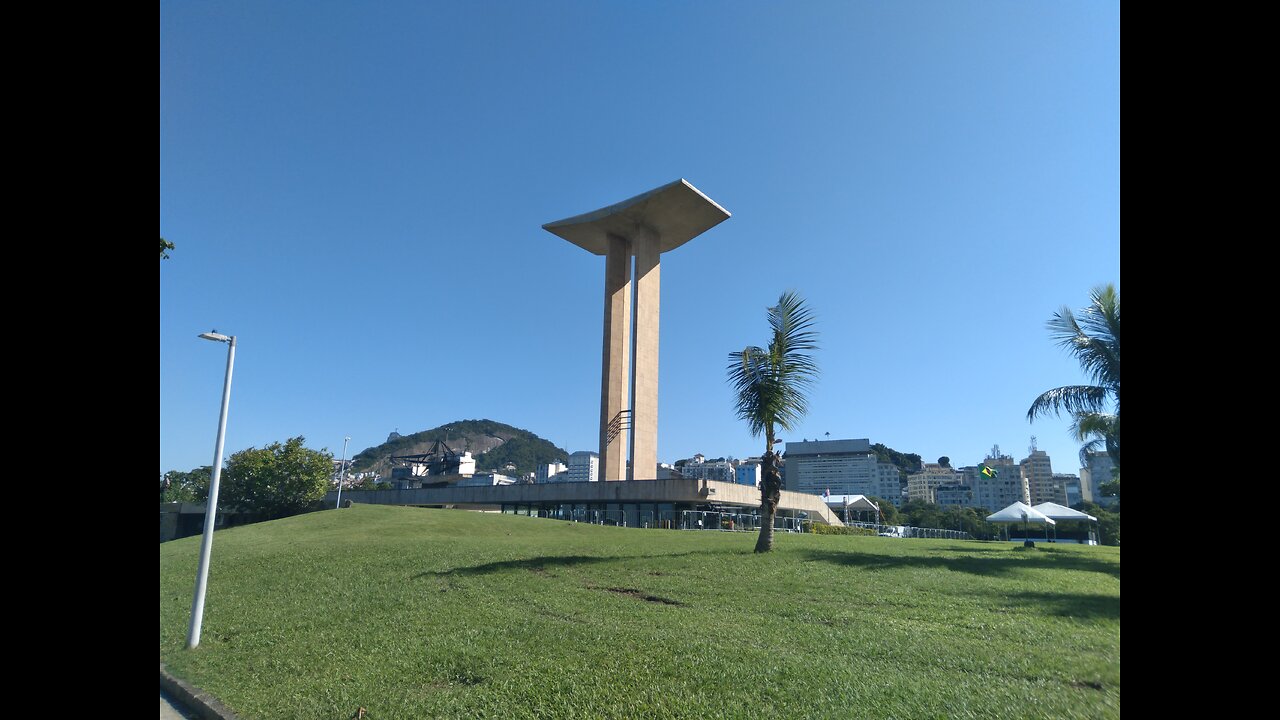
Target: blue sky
<point>356,191</point>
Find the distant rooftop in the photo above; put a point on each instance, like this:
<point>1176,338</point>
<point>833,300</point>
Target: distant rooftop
<point>828,447</point>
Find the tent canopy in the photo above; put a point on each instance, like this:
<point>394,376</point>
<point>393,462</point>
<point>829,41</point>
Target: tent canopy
<point>855,502</point>
<point>1059,512</point>
<point>1020,512</point>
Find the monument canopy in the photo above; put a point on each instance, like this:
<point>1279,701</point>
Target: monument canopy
<point>677,212</point>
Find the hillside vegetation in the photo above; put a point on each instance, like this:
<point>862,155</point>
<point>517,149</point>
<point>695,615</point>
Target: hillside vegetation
<point>414,613</point>
<point>494,445</point>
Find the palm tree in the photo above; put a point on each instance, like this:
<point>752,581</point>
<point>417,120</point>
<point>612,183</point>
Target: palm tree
<point>1094,338</point>
<point>771,385</point>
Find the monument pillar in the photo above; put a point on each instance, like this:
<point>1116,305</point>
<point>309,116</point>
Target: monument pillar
<point>616,366</point>
<point>644,387</point>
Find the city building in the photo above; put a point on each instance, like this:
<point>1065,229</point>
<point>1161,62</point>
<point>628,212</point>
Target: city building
<point>1100,470</point>
<point>994,492</point>
<point>584,466</point>
<point>889,480</point>
<point>700,469</point>
<point>1007,480</point>
<point>486,478</point>
<point>1038,472</point>
<point>843,467</point>
<point>924,485</point>
<point>545,472</point>
<point>1069,489</point>
<point>748,472</point>
<point>960,495</point>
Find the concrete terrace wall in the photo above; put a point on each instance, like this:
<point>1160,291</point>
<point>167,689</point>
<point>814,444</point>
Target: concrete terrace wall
<point>636,491</point>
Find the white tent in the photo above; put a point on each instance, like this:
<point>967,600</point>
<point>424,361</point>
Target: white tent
<point>1023,513</point>
<point>855,502</point>
<point>1059,512</point>
<point>851,502</point>
<point>1020,512</point>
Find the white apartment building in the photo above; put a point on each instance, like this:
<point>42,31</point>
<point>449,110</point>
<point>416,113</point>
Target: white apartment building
<point>700,469</point>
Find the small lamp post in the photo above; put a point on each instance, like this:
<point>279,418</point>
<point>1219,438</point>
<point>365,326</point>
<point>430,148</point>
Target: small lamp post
<point>342,474</point>
<point>211,506</point>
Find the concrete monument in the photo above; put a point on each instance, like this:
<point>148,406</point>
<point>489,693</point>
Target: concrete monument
<point>642,227</point>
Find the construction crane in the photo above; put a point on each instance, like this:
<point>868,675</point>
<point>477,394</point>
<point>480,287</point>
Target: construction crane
<point>441,460</point>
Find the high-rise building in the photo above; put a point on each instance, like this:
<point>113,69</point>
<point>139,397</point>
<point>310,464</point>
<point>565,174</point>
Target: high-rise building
<point>845,467</point>
<point>889,483</point>
<point>1038,472</point>
<point>1002,488</point>
<point>584,466</point>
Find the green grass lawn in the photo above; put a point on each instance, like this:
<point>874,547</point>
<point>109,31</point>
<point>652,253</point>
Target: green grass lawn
<point>416,613</point>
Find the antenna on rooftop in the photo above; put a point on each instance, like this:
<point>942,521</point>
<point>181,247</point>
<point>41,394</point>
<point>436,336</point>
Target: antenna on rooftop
<point>1033,444</point>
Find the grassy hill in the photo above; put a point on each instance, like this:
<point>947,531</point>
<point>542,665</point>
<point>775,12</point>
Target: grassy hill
<point>494,445</point>
<point>416,613</point>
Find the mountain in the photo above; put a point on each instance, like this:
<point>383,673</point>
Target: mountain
<point>494,445</point>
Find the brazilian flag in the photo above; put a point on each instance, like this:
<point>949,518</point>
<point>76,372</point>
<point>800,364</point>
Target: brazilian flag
<point>988,472</point>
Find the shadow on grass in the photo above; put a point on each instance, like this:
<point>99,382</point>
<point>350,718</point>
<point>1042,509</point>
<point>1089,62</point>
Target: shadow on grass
<point>1072,605</point>
<point>543,563</point>
<point>992,565</point>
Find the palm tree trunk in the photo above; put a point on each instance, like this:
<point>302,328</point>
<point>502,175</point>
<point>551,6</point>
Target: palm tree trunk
<point>770,496</point>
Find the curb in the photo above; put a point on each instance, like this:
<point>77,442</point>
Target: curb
<point>196,700</point>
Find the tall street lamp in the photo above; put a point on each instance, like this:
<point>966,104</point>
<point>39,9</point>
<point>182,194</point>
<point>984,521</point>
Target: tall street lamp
<point>342,474</point>
<point>211,507</point>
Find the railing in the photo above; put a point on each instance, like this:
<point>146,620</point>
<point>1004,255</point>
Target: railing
<point>620,422</point>
<point>713,520</point>
<point>709,520</point>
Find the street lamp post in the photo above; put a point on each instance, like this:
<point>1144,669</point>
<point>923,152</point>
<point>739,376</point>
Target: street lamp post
<point>211,507</point>
<point>342,473</point>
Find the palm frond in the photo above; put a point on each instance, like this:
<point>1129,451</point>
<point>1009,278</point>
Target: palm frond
<point>771,384</point>
<point>1073,400</point>
<point>1087,425</point>
<point>1089,448</point>
<point>1093,337</point>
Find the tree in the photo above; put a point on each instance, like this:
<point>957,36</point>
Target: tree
<point>188,487</point>
<point>278,480</point>
<point>944,461</point>
<point>1111,489</point>
<point>1094,338</point>
<point>165,247</point>
<point>771,386</point>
